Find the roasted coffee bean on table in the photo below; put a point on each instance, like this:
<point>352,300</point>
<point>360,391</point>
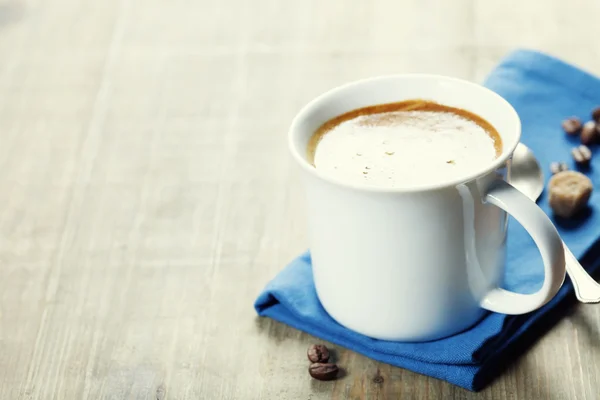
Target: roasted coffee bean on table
<point>557,167</point>
<point>569,193</point>
<point>572,126</point>
<point>582,155</point>
<point>318,353</point>
<point>596,114</point>
<point>589,132</point>
<point>323,371</point>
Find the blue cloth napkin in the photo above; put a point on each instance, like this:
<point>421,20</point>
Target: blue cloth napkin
<point>544,91</point>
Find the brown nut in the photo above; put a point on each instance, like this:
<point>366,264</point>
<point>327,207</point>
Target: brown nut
<point>589,132</point>
<point>318,353</point>
<point>569,193</point>
<point>582,155</point>
<point>323,372</point>
<point>572,126</point>
<point>596,114</point>
<point>557,167</point>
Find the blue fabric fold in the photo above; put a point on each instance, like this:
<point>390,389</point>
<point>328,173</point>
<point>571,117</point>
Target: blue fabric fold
<point>544,91</point>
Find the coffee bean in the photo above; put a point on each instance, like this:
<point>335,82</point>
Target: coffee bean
<point>323,372</point>
<point>318,353</point>
<point>582,155</point>
<point>557,167</point>
<point>589,133</point>
<point>569,193</point>
<point>572,125</point>
<point>596,114</point>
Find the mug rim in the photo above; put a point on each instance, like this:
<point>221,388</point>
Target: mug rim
<point>507,149</point>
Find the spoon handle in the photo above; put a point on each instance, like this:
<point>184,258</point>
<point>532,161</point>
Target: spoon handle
<point>587,289</point>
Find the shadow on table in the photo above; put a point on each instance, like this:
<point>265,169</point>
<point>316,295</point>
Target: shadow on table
<point>497,364</point>
<point>10,13</point>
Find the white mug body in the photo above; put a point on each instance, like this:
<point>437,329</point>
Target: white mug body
<point>414,263</point>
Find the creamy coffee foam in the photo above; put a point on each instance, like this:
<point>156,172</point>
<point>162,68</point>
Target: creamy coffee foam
<point>407,144</point>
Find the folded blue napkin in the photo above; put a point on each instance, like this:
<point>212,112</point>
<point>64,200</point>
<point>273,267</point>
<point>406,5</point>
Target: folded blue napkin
<point>544,91</point>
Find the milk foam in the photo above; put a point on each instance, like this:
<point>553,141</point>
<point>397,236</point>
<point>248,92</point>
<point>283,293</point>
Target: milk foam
<point>402,149</point>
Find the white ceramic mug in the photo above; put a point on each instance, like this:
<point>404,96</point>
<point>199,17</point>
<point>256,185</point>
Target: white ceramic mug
<point>416,264</point>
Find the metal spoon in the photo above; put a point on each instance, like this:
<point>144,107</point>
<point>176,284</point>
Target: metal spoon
<point>527,176</point>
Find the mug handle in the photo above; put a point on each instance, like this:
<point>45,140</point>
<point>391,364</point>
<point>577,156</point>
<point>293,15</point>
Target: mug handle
<point>538,225</point>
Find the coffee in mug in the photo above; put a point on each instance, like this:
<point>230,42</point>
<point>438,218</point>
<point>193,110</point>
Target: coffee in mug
<point>407,143</point>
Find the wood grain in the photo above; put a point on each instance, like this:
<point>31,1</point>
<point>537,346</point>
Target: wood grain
<point>146,194</point>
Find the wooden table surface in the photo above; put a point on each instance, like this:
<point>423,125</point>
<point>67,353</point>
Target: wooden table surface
<point>146,193</point>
